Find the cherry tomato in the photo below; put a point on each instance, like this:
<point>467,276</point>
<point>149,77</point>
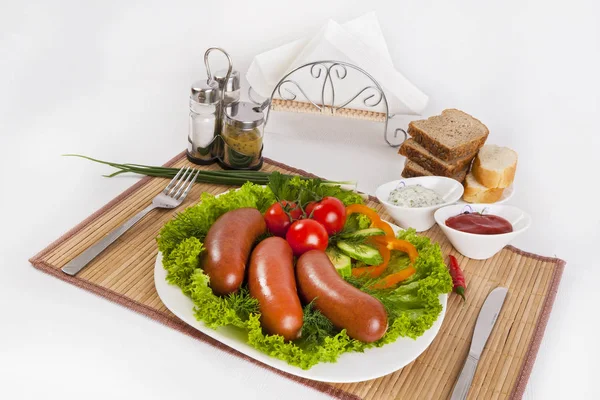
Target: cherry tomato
<point>305,235</point>
<point>331,213</point>
<point>279,217</point>
<point>309,208</point>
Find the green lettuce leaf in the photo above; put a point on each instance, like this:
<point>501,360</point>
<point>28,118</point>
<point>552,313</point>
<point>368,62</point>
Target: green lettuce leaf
<point>181,263</point>
<point>356,222</point>
<point>303,191</point>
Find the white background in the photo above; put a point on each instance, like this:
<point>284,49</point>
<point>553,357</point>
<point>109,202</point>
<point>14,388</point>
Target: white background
<point>111,80</point>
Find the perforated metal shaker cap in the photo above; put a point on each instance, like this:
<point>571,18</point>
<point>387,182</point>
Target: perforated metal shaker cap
<point>245,116</point>
<point>206,92</point>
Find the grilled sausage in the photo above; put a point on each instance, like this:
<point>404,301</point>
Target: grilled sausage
<point>363,316</point>
<point>272,282</point>
<point>228,244</point>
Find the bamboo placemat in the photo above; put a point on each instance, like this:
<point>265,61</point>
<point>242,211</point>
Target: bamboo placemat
<point>124,274</point>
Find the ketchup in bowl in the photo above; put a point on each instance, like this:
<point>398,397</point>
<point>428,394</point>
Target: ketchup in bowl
<point>479,224</point>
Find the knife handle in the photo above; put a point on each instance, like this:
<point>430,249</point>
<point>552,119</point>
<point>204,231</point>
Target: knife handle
<point>463,384</point>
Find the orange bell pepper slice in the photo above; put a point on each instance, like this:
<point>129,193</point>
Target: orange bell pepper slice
<point>384,226</point>
<point>376,220</point>
<point>375,270</point>
<point>384,244</point>
<point>394,279</point>
<point>398,244</point>
<point>362,209</point>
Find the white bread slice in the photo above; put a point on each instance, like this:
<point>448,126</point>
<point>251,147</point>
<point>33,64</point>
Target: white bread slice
<point>477,193</point>
<point>495,166</point>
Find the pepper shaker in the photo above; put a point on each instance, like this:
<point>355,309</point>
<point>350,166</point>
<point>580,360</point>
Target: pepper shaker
<point>242,134</point>
<point>231,90</point>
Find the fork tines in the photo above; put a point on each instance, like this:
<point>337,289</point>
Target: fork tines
<point>181,183</point>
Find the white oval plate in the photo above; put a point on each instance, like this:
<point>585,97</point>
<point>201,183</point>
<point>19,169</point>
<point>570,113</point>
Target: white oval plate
<point>350,367</point>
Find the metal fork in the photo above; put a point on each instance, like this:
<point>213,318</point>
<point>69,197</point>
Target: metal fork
<point>171,197</point>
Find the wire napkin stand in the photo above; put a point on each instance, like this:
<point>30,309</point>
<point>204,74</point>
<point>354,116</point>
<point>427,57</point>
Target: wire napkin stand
<point>328,74</point>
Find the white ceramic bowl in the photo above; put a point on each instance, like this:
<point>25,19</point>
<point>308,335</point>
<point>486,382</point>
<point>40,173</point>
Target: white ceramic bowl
<point>481,247</point>
<point>420,218</point>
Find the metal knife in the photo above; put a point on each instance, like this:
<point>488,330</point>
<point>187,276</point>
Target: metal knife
<point>483,327</point>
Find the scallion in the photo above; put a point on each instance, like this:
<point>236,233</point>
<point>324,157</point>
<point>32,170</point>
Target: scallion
<point>233,177</point>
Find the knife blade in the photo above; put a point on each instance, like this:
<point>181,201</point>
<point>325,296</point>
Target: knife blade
<point>483,328</point>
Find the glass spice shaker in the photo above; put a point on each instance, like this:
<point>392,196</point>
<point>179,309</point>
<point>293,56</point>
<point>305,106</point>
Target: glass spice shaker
<point>230,90</point>
<point>226,83</point>
<point>205,102</point>
<point>231,87</point>
<point>242,134</point>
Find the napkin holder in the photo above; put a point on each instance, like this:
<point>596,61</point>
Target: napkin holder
<point>326,76</point>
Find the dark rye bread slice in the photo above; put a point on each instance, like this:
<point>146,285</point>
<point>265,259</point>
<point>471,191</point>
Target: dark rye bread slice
<point>412,169</point>
<point>454,134</point>
<point>414,151</point>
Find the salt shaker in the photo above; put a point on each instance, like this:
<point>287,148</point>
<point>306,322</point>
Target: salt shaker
<point>227,82</point>
<point>242,135</point>
<point>205,105</point>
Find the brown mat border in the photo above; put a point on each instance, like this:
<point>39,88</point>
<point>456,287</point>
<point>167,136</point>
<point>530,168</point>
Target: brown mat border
<point>38,263</point>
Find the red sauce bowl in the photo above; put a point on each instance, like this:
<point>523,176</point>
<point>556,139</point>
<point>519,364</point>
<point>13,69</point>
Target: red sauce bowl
<point>481,246</point>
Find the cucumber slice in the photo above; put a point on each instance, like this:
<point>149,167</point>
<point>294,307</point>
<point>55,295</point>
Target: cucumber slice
<point>361,252</point>
<point>341,262</point>
<point>363,233</point>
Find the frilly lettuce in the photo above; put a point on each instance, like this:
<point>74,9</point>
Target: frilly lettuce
<point>412,307</point>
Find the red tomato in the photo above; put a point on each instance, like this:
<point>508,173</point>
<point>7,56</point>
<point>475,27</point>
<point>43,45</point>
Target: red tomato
<point>294,210</point>
<point>305,235</point>
<point>279,217</point>
<point>309,208</point>
<point>331,213</point>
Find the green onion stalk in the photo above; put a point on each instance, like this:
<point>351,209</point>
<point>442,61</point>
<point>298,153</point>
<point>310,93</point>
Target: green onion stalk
<point>233,177</point>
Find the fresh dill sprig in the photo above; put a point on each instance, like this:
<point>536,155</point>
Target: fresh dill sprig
<point>243,303</point>
<point>316,326</point>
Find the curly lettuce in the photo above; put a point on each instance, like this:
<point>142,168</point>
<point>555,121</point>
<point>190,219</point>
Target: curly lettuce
<point>412,307</point>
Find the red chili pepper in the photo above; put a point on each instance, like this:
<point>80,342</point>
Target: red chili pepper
<point>458,278</point>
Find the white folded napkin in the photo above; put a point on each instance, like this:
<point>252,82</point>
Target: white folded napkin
<point>359,42</point>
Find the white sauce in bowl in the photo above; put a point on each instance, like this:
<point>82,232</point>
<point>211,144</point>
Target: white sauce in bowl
<point>414,196</point>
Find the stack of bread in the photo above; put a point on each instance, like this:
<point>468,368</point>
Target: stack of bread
<point>443,145</point>
<point>447,144</point>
